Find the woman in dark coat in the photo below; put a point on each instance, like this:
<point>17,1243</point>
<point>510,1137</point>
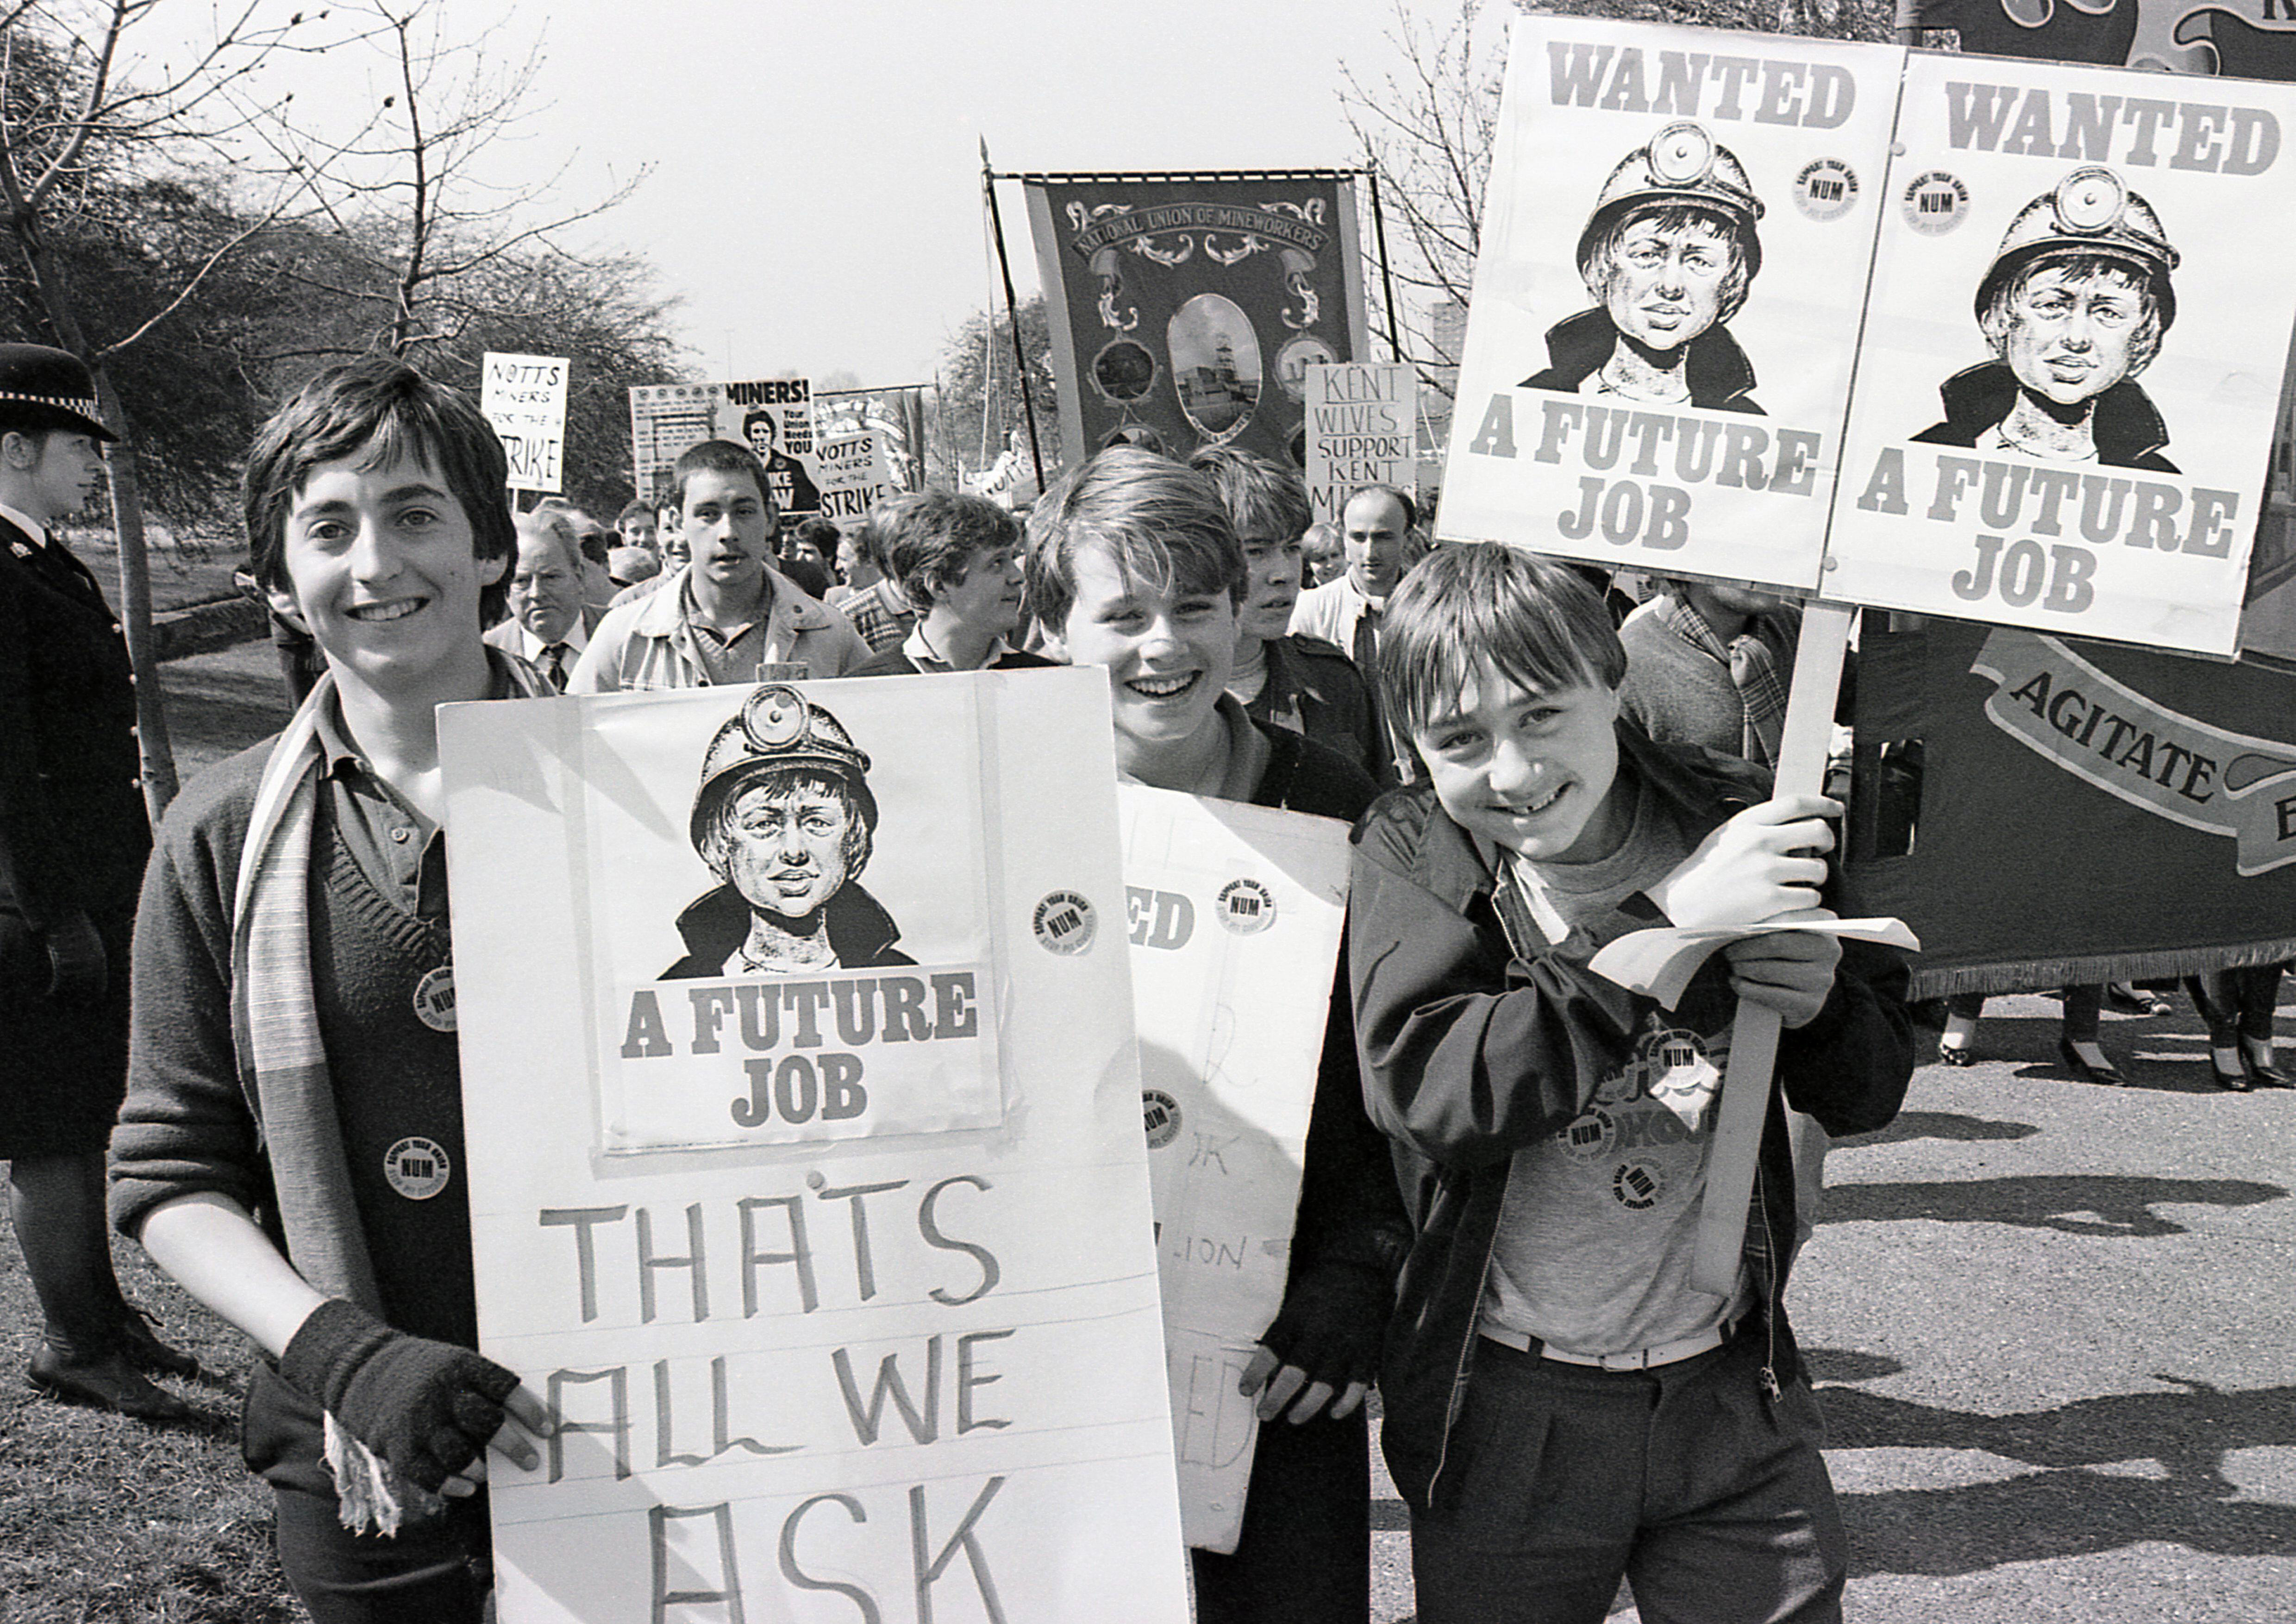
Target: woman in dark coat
<point>73,838</point>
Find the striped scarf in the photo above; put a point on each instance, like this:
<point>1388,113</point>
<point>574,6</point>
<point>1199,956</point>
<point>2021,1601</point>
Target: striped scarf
<point>1753,667</point>
<point>282,1061</point>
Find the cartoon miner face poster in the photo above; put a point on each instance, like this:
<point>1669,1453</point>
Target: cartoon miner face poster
<point>2072,361</point>
<point>1674,253</point>
<point>791,904</point>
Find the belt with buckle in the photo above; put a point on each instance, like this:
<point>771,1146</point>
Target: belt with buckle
<point>1643,1358</point>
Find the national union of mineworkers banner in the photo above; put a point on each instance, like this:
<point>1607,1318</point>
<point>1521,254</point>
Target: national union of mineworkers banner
<point>1195,306</point>
<point>2048,811</point>
<point>1665,308</point>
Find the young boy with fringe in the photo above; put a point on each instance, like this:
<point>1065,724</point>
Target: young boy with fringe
<point>1564,1405</point>
<point>291,1147</point>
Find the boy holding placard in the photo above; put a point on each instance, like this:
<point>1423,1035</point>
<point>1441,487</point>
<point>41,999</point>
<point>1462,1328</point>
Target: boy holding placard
<point>1563,1406</point>
<point>293,1023</point>
<point>1134,565</point>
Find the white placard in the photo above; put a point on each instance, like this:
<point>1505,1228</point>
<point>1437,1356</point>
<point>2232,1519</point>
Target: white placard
<point>1234,916</point>
<point>833,1377</point>
<point>524,397</point>
<point>1708,444</point>
<point>2062,473</point>
<point>1362,428</point>
<point>854,476</point>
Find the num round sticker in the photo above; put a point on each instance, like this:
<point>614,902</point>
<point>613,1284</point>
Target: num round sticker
<point>1161,1114</point>
<point>1826,189</point>
<point>417,1168</point>
<point>1637,1186</point>
<point>1936,202</point>
<point>1246,906</point>
<point>1064,922</point>
<point>434,999</point>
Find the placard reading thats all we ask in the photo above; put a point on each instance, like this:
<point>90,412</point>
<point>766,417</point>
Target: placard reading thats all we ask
<point>1666,308</point>
<point>2071,367</point>
<point>843,1366</point>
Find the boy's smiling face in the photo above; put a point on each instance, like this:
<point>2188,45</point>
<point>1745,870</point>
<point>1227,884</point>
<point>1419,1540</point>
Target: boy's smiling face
<point>1531,771</point>
<point>1170,648</point>
<point>381,566</point>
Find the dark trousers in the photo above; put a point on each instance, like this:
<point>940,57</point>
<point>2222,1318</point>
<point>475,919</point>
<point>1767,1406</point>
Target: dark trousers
<point>1710,1498</point>
<point>2236,1002</point>
<point>438,1573</point>
<point>1304,1554</point>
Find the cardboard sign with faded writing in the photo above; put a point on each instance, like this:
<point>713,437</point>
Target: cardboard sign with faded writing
<point>1235,915</point>
<point>832,1363</point>
<point>524,398</point>
<point>1666,308</point>
<point>1362,428</point>
<point>854,476</point>
<point>2071,367</point>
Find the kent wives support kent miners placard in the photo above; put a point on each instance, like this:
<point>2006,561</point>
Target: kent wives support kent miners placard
<point>1675,249</point>
<point>2073,351</point>
<point>904,1371</point>
<point>1192,307</point>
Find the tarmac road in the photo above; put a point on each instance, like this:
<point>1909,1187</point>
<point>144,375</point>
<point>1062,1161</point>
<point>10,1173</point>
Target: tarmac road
<point>2053,1325</point>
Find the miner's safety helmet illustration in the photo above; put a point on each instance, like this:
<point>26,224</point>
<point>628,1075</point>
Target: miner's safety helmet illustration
<point>778,730</point>
<point>2090,211</point>
<point>1682,164</point>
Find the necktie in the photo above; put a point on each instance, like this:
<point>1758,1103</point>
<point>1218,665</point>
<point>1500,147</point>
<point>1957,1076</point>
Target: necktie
<point>1367,645</point>
<point>554,665</point>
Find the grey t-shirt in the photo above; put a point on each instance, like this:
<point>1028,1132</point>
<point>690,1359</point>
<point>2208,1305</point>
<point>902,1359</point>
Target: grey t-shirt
<point>1595,1235</point>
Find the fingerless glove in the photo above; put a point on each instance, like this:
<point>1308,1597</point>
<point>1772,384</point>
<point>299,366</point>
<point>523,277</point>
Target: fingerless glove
<point>426,1409</point>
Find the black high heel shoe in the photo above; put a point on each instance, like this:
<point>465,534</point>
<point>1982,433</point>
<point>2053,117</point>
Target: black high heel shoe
<point>2235,1081</point>
<point>2263,1073</point>
<point>2108,1074</point>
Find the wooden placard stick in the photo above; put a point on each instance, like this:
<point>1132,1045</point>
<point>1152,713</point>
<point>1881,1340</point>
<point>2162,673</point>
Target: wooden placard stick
<point>1754,1033</point>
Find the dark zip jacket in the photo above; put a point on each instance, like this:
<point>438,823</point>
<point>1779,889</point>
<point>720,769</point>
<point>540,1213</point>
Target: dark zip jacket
<point>1477,1040</point>
<point>715,924</point>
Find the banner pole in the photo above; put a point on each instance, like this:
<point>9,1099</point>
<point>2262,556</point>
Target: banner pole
<point>1011,311</point>
<point>1737,1145</point>
<point>1386,276</point>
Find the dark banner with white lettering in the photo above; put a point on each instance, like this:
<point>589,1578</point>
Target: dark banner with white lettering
<point>1192,309</point>
<point>2047,811</point>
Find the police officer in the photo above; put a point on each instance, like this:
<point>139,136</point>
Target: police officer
<point>73,838</point>
<point>1669,254</point>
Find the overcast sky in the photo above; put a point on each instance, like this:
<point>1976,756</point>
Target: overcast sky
<point>815,198</point>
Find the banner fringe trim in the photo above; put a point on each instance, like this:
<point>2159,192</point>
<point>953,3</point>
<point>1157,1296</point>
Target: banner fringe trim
<point>2075,969</point>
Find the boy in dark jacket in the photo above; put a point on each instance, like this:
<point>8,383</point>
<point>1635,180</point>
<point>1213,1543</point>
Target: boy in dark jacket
<point>1563,1406</point>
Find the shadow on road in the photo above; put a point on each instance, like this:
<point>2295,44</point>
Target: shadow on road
<point>2077,1203</point>
<point>1937,1125</point>
<point>2067,1508</point>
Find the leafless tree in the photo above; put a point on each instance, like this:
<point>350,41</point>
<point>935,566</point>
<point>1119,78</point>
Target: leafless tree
<point>74,96</point>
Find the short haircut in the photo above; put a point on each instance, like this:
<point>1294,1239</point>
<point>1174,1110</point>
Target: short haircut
<point>1137,434</point>
<point>822,533</point>
<point>763,414</point>
<point>553,523</point>
<point>1163,524</point>
<point>1402,499</point>
<point>719,456</point>
<point>2079,267</point>
<point>379,410</point>
<point>1597,258</point>
<point>860,815</point>
<point>634,509</point>
<point>1323,543</point>
<point>1535,619</point>
<point>1265,501</point>
<point>931,536</point>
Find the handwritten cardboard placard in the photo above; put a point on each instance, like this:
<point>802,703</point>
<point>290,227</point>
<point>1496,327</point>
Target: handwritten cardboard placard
<point>524,398</point>
<point>901,1374</point>
<point>1234,913</point>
